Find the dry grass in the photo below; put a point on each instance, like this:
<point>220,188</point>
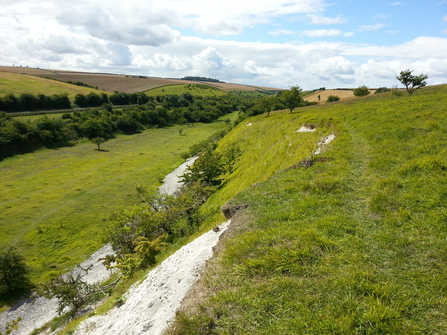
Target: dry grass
<point>343,94</point>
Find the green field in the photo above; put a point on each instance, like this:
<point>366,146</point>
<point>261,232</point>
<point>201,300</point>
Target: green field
<point>14,83</point>
<point>193,89</point>
<point>56,203</point>
<point>354,244</point>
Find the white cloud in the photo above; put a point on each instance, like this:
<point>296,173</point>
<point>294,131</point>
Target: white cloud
<point>392,32</point>
<point>371,27</point>
<point>318,19</point>
<point>251,67</point>
<point>445,18</point>
<point>321,32</point>
<point>210,58</point>
<point>147,37</point>
<point>281,32</point>
<point>396,4</point>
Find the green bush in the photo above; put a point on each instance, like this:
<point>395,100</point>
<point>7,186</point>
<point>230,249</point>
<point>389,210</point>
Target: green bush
<point>13,272</point>
<point>361,91</point>
<point>332,98</point>
<point>382,90</point>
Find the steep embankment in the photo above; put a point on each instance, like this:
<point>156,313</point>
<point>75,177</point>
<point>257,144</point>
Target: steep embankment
<point>352,243</point>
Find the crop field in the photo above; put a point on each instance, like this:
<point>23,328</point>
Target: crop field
<point>56,203</point>
<point>353,243</point>
<point>19,83</point>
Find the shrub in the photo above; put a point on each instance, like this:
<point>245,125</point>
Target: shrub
<point>382,90</point>
<point>361,91</point>
<point>332,98</point>
<point>13,272</point>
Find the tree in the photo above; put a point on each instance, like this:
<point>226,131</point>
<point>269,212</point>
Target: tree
<point>412,82</point>
<point>292,98</point>
<point>206,169</point>
<point>98,141</point>
<point>13,272</point>
<point>361,91</point>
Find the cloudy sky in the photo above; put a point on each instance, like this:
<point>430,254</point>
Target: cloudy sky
<point>274,43</point>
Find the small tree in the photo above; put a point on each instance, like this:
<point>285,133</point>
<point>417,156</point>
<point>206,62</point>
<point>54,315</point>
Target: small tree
<point>206,169</point>
<point>411,82</point>
<point>13,272</point>
<point>292,98</point>
<point>361,91</point>
<point>98,141</point>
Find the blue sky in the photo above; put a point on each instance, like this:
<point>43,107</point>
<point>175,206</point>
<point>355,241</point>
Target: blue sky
<point>310,43</point>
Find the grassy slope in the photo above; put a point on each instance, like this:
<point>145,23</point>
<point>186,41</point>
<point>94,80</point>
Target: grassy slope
<point>57,202</point>
<point>353,245</point>
<point>192,89</point>
<point>20,83</point>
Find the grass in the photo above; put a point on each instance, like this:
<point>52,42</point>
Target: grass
<point>193,89</point>
<point>57,202</point>
<point>19,83</point>
<point>352,245</point>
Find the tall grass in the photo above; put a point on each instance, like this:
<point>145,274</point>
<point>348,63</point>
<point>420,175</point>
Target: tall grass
<point>351,245</point>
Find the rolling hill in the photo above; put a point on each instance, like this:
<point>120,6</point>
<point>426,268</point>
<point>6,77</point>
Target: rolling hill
<point>122,83</point>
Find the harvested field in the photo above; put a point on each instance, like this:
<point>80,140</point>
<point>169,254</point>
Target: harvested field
<point>343,94</point>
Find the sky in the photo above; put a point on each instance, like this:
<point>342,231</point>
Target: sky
<point>271,43</point>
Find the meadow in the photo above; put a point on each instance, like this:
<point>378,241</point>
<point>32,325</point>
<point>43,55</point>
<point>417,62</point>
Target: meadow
<point>353,244</point>
<point>56,203</point>
<point>193,89</point>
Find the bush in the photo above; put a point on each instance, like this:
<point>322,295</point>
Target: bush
<point>13,272</point>
<point>382,90</point>
<point>332,98</point>
<point>361,91</point>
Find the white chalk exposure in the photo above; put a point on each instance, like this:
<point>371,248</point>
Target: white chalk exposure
<point>151,305</point>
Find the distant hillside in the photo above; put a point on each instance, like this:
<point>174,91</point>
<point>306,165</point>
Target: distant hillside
<point>123,83</point>
<point>16,83</point>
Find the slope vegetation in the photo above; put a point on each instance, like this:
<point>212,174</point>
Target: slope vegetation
<point>350,243</point>
<point>16,83</point>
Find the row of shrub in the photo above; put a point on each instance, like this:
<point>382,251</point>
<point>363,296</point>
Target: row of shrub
<point>31,102</point>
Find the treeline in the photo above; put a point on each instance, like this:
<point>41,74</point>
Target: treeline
<point>17,136</point>
<point>118,98</point>
<point>71,82</point>
<point>31,102</point>
<point>202,79</point>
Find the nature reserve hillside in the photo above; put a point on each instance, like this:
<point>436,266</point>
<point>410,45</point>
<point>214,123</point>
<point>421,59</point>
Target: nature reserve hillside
<point>347,241</point>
